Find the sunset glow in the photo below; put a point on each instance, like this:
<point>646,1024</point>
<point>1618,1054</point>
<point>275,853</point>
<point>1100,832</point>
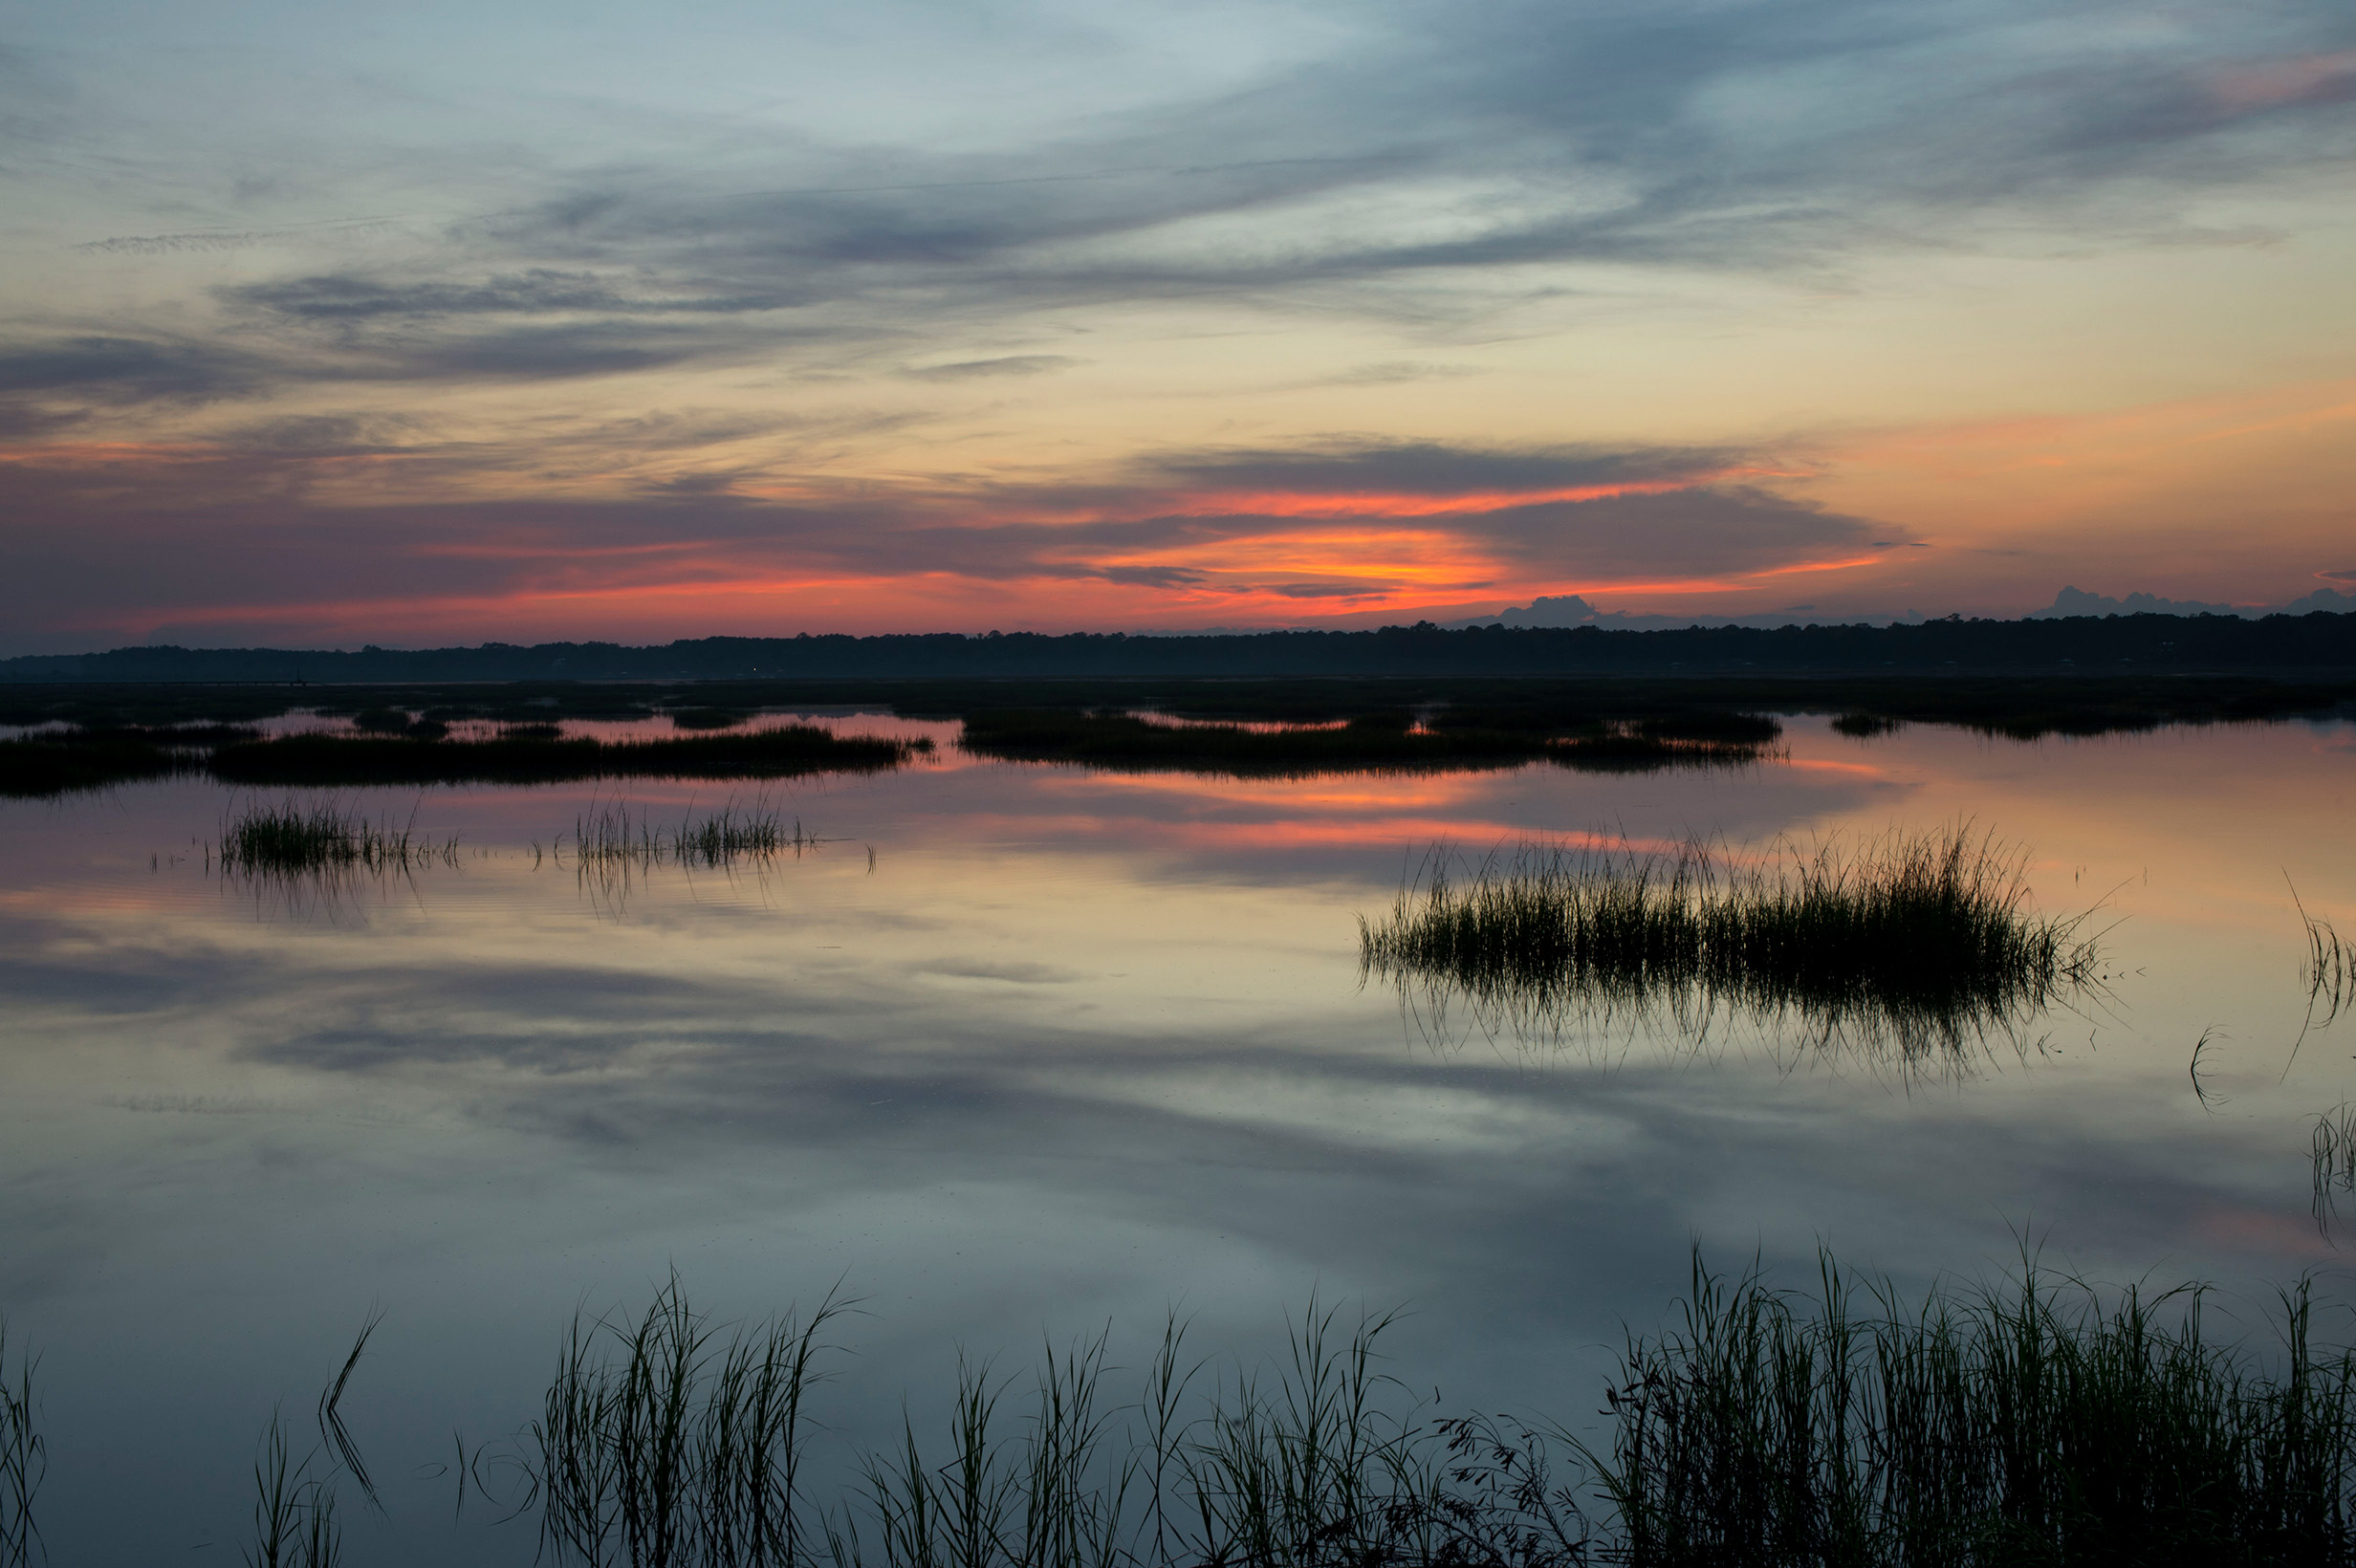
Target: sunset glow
<point>547,323</point>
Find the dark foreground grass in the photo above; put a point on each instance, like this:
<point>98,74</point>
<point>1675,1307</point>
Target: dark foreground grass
<point>1384,739</point>
<point>1918,943</point>
<point>2037,1422</point>
<point>24,1458</point>
<point>2033,1423</point>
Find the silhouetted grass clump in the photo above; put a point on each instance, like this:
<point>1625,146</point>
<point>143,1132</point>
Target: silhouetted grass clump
<point>56,762</point>
<point>615,835</point>
<point>528,757</point>
<point>2028,1423</point>
<point>2033,1423</point>
<point>289,839</point>
<point>661,1442</point>
<point>706,718</point>
<point>1918,941</point>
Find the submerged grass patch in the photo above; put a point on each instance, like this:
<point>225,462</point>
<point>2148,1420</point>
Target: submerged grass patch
<point>289,839</point>
<point>1922,942</point>
<point>617,835</point>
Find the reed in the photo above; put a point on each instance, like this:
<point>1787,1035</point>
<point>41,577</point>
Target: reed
<point>662,1444</point>
<point>2328,970</point>
<point>1920,941</point>
<point>24,1458</point>
<point>289,839</point>
<point>2035,1421</point>
<point>615,835</point>
<point>2041,1422</point>
<point>296,1522</point>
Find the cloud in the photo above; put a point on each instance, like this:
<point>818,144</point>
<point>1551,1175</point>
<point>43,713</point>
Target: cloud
<point>1415,169</point>
<point>121,370</point>
<point>1223,530</point>
<point>1327,590</point>
<point>1364,467</point>
<point>535,291</point>
<point>1012,364</point>
<point>1392,372</point>
<point>1153,577</point>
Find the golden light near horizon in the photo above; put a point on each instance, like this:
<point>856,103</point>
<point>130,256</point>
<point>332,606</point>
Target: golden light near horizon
<point>453,327</point>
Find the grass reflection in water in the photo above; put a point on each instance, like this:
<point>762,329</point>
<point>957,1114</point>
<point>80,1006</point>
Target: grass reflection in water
<point>1917,945</point>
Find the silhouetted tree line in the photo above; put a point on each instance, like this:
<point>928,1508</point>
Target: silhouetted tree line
<point>2112,644</point>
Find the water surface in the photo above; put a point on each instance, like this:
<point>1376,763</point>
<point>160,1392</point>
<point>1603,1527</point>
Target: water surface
<point>1067,1048</point>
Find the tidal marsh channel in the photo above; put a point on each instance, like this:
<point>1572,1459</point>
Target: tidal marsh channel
<point>950,1140</point>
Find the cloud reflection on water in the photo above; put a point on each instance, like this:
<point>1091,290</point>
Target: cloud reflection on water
<point>1082,1045</point>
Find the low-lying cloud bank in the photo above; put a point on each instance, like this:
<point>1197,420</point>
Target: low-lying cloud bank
<point>214,547</point>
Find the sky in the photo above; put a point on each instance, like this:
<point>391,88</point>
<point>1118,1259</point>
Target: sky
<point>323,323</point>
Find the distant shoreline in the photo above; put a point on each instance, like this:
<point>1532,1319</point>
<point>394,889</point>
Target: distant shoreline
<point>2279,645</point>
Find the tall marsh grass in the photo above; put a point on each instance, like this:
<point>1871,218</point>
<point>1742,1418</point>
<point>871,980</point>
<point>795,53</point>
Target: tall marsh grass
<point>2035,1423</point>
<point>662,1444</point>
<point>2032,1422</point>
<point>24,1458</point>
<point>1923,942</point>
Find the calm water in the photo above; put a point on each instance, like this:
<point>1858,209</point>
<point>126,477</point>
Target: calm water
<point>1070,1048</point>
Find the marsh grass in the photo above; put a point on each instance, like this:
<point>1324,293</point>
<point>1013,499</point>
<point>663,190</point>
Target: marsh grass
<point>1917,942</point>
<point>613,835</point>
<point>289,839</point>
<point>2328,970</point>
<point>664,1443</point>
<point>2041,1422</point>
<point>296,1522</point>
<point>24,1458</point>
<point>2037,1421</point>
